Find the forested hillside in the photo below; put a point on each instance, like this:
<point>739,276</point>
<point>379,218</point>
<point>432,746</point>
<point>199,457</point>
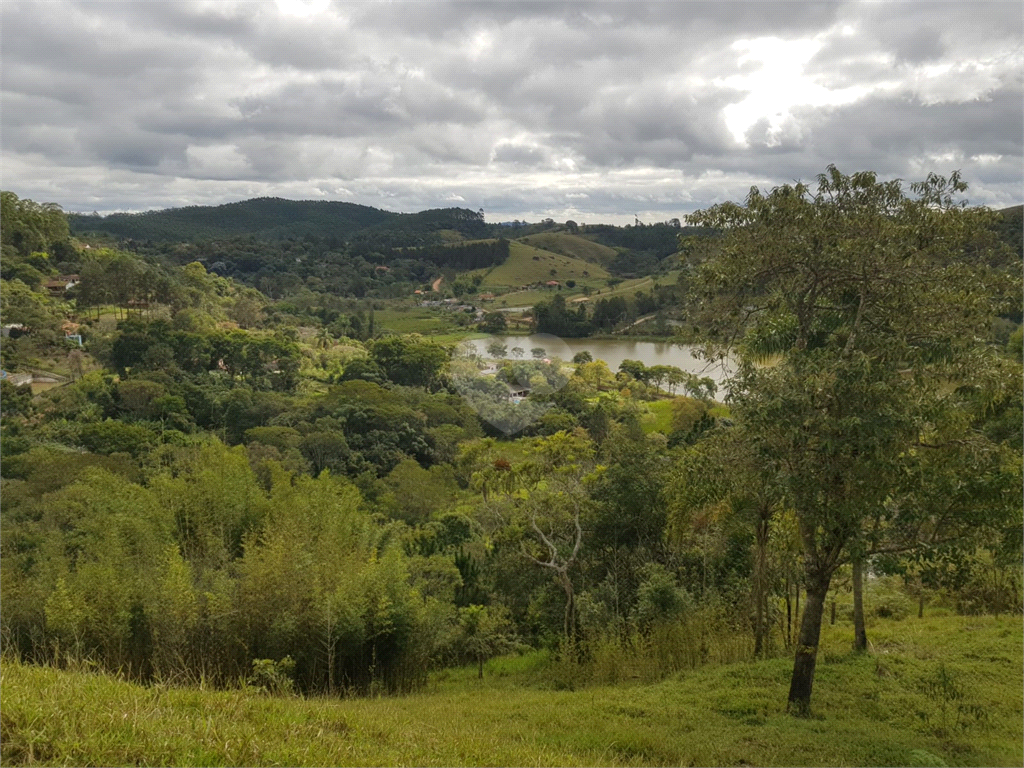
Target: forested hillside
<point>276,218</point>
<point>284,247</point>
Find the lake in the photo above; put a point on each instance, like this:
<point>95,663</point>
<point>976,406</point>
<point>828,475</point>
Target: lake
<point>612,351</point>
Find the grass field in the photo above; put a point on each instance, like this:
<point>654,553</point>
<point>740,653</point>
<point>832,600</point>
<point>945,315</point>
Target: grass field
<point>402,318</point>
<point>629,287</point>
<point>903,704</point>
<point>571,245</point>
<point>659,417</point>
<point>522,269</point>
<point>526,265</point>
<point>599,290</point>
<point>529,298</point>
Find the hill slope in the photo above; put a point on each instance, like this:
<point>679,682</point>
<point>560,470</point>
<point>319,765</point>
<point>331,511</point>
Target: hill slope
<point>571,245</point>
<point>888,708</point>
<point>527,265</point>
<point>274,217</point>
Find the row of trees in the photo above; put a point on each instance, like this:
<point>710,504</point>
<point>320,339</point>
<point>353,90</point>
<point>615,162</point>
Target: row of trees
<point>464,257</point>
<point>606,314</point>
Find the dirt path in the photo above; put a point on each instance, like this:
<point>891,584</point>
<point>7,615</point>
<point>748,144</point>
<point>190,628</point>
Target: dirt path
<point>437,284</point>
<point>637,322</point>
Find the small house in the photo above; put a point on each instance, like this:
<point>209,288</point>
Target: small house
<point>517,392</point>
<point>58,286</point>
<point>17,379</point>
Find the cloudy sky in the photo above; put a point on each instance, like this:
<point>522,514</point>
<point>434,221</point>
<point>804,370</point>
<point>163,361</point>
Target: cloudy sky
<point>596,112</point>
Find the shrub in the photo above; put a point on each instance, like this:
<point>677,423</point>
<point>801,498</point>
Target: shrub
<point>273,676</point>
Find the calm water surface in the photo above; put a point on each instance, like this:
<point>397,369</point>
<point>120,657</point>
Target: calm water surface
<point>612,351</point>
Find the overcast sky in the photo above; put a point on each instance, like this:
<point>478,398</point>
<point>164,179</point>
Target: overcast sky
<point>595,112</point>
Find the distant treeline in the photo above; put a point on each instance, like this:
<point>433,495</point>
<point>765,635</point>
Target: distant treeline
<point>661,239</point>
<point>559,319</point>
<point>281,267</point>
<point>641,247</point>
<point>463,256</point>
<point>276,218</point>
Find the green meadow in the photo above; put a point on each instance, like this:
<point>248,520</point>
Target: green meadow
<point>526,265</point>
<point>943,690</point>
<point>571,245</point>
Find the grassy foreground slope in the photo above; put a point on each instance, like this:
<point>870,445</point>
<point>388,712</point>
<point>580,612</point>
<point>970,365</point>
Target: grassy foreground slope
<point>938,691</point>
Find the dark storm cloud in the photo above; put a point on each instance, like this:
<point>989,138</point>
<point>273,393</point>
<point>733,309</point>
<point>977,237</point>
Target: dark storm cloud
<point>593,110</point>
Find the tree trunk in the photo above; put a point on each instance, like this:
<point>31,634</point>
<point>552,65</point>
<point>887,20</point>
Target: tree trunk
<point>760,586</point>
<point>330,665</point>
<point>789,616</point>
<point>480,668</point>
<point>833,617</point>
<point>860,635</point>
<point>796,606</point>
<point>807,648</point>
<point>920,597</point>
<point>997,598</point>
<point>570,606</point>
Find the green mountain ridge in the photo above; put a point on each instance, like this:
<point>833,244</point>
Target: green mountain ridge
<point>275,218</point>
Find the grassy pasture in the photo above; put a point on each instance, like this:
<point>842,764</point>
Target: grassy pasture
<point>526,265</point>
<point>571,245</point>
<point>658,417</point>
<point>402,318</point>
<point>599,290</point>
<point>895,706</point>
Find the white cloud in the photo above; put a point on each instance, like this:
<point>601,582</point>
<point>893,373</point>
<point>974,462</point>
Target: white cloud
<point>649,108</point>
<point>779,84</point>
<point>302,8</point>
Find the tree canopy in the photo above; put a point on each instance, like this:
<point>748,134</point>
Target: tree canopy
<point>864,296</point>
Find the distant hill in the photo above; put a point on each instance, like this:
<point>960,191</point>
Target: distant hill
<point>276,218</point>
<point>571,245</point>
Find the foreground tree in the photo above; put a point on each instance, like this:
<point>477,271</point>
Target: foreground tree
<point>865,295</point>
<point>549,506</point>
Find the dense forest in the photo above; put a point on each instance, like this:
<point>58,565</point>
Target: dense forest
<point>239,478</point>
<point>276,218</point>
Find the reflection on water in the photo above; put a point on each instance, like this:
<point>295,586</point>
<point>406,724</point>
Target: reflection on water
<point>613,352</point>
